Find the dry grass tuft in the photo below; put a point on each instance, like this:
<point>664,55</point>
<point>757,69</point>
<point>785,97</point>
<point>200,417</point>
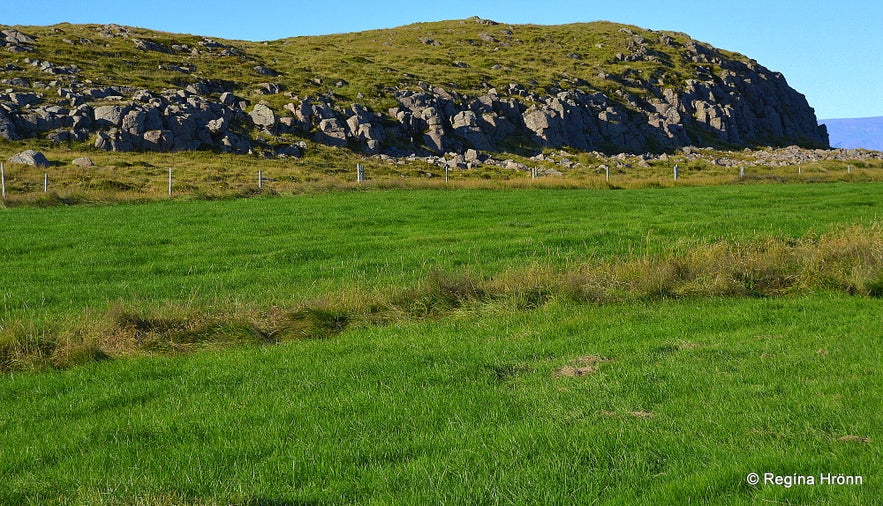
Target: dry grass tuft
<point>582,366</point>
<point>848,260</point>
<point>855,439</point>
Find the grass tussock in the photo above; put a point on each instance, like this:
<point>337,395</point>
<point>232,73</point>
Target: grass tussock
<point>848,260</point>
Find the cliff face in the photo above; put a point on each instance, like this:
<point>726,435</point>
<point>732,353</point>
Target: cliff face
<point>658,92</point>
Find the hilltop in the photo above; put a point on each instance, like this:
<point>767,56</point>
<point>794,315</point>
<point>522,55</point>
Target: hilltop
<point>466,86</point>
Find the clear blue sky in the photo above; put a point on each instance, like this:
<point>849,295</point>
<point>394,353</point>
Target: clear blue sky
<point>828,50</point>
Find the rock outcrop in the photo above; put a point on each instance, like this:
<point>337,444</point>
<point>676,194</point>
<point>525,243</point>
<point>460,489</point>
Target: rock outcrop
<point>738,104</point>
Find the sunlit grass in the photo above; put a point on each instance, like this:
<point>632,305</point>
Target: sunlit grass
<point>444,346</point>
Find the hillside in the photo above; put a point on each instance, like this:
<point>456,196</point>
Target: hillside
<point>850,133</point>
<point>451,86</point>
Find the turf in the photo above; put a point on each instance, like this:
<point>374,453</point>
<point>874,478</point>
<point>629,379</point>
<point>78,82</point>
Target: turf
<point>276,250</point>
<point>670,400</point>
<point>687,398</point>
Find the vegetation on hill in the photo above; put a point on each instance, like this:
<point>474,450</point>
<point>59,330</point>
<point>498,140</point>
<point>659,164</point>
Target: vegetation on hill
<point>449,86</point>
<point>467,55</point>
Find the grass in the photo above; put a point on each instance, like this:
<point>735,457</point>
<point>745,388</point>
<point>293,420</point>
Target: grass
<point>268,250</point>
<point>204,175</point>
<point>444,346</point>
<point>849,261</point>
<point>473,409</point>
<point>373,62</point>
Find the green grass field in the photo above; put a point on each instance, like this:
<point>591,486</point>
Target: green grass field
<point>670,394</point>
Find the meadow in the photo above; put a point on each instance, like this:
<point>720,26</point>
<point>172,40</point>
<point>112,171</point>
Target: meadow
<point>445,346</point>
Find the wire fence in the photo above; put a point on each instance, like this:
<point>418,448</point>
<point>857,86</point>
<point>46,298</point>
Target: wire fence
<point>22,180</point>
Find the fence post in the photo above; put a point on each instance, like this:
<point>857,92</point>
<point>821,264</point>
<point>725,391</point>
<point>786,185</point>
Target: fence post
<point>607,173</point>
<point>360,172</point>
<point>3,178</point>
<point>170,181</point>
<point>741,172</point>
<point>676,171</point>
<point>45,183</point>
<point>447,170</point>
<point>260,180</point>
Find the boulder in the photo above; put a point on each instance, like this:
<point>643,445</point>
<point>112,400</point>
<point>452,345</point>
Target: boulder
<point>434,139</point>
<point>16,37</point>
<point>263,116</point>
<point>331,132</point>
<point>44,119</point>
<point>228,99</point>
<point>23,99</point>
<point>545,125</point>
<point>82,161</point>
<point>265,71</point>
<point>183,127</point>
<point>466,126</point>
<point>232,143</point>
<point>158,140</point>
<point>268,88</point>
<point>292,151</point>
<point>217,126</point>
<point>114,140</point>
<point>109,116</point>
<point>149,45</point>
<point>7,128</point>
<point>30,157</point>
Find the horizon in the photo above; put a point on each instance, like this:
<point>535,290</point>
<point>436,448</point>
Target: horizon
<point>812,44</point>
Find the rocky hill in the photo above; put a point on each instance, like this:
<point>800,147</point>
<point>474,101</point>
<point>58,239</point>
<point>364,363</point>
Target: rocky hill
<point>456,86</point>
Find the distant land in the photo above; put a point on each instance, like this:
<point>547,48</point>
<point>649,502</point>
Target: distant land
<point>851,133</point>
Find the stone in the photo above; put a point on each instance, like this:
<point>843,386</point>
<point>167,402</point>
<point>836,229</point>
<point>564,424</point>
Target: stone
<point>434,139</point>
<point>545,126</point>
<point>16,37</point>
<point>199,88</point>
<point>331,132</point>
<point>269,88</point>
<point>263,116</point>
<point>114,140</point>
<point>109,116</point>
<point>82,161</point>
<point>30,157</point>
<point>149,45</point>
<point>158,140</point>
<point>43,119</point>
<point>228,99</point>
<point>217,126</point>
<point>265,71</point>
<point>233,143</point>
<point>24,99</point>
<point>7,128</point>
<point>292,151</point>
<point>466,126</point>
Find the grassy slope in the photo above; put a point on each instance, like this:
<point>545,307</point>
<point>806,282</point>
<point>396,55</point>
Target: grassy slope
<point>469,410</point>
<point>373,61</point>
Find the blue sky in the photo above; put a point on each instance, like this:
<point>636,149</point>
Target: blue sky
<point>828,50</point>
